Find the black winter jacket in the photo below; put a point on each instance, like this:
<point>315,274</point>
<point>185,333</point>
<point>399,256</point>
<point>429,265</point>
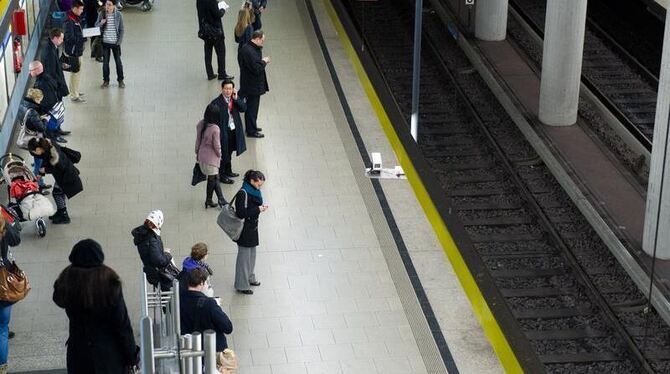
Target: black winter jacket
<point>209,13</point>
<point>74,37</point>
<point>33,121</point>
<point>52,66</point>
<point>12,238</point>
<point>249,236</point>
<point>63,170</point>
<point>150,247</point>
<point>100,341</point>
<point>252,70</point>
<point>45,83</point>
<point>199,313</point>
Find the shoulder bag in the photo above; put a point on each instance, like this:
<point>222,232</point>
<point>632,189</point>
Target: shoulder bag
<point>14,284</point>
<point>198,175</point>
<point>228,220</point>
<point>208,32</point>
<point>25,134</point>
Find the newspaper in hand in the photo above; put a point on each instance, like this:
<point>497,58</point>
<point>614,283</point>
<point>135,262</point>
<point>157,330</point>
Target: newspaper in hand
<point>223,5</point>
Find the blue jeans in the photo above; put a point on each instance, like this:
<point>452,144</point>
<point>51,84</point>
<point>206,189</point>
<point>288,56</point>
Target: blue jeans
<point>37,164</point>
<point>5,313</point>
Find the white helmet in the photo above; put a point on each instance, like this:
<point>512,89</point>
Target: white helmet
<point>156,217</point>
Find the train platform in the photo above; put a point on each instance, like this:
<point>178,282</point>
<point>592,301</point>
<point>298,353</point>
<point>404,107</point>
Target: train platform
<point>354,279</point>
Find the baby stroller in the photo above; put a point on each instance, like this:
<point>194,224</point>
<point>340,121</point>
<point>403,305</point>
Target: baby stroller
<point>26,202</point>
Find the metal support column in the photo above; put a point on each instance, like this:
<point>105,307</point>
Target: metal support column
<point>416,70</point>
<point>656,240</point>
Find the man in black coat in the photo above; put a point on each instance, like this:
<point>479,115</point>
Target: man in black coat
<point>209,18</point>
<point>74,47</point>
<point>230,125</point>
<point>199,312</point>
<point>46,84</point>
<point>51,61</point>
<point>253,82</point>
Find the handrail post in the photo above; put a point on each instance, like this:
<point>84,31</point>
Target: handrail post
<point>146,345</point>
<point>197,346</point>
<point>210,352</point>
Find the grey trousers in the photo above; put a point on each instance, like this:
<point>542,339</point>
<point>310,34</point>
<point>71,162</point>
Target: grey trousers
<point>244,267</point>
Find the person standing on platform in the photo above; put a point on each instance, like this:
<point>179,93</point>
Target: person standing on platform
<point>248,206</point>
<point>253,81</point>
<point>110,22</point>
<point>101,336</point>
<point>54,68</point>
<point>74,47</point>
<point>200,313</point>
<point>211,32</point>
<point>10,237</point>
<point>208,153</point>
<point>230,125</point>
<point>259,8</point>
<point>244,27</point>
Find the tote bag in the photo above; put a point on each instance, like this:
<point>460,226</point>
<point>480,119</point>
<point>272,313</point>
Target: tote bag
<point>228,220</point>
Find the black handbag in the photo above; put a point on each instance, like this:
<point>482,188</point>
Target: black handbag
<point>72,63</point>
<point>198,176</point>
<point>74,156</point>
<point>208,32</point>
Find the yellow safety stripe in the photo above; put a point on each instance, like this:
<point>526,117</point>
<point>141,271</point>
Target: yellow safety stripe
<point>486,319</point>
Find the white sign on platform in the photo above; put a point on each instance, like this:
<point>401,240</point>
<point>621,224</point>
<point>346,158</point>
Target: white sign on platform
<point>395,173</point>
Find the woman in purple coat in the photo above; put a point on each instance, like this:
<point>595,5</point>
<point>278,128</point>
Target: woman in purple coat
<point>208,152</point>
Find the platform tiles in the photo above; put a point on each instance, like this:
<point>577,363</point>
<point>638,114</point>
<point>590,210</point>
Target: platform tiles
<point>328,301</point>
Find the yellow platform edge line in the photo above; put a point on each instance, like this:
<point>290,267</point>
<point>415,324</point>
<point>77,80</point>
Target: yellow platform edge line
<point>486,319</point>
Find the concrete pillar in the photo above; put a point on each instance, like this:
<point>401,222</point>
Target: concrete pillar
<point>657,213</point>
<point>562,61</point>
<point>491,20</point>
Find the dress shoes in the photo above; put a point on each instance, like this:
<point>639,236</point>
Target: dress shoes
<point>230,174</point>
<point>226,180</point>
<point>246,292</point>
<point>226,77</point>
<point>255,283</point>
<point>256,134</point>
<point>212,77</point>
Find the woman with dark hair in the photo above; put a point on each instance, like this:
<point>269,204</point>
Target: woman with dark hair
<point>56,162</point>
<point>248,206</point>
<point>208,153</point>
<point>10,237</point>
<point>101,338</point>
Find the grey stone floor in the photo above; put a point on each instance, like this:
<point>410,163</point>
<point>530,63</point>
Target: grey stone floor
<point>328,303</point>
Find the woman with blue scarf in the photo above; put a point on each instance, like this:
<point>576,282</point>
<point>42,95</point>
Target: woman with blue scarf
<point>248,206</point>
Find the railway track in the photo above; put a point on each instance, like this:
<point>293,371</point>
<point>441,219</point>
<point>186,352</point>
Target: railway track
<point>576,307</point>
<point>619,81</point>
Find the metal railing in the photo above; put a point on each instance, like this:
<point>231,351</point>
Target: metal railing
<point>163,349</point>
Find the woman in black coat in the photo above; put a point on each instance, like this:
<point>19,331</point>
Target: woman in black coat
<point>155,258</point>
<point>248,205</point>
<point>57,162</point>
<point>101,339</point>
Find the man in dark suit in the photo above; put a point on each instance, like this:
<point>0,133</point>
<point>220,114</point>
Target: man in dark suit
<point>230,125</point>
<point>209,17</point>
<point>253,82</point>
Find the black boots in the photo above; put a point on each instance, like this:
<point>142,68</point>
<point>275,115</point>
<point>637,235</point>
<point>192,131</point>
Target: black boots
<point>219,194</point>
<point>211,185</point>
<point>61,217</point>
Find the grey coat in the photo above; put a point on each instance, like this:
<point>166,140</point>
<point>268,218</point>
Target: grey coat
<point>118,24</point>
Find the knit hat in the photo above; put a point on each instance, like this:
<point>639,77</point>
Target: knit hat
<point>87,254</point>
<point>156,217</point>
